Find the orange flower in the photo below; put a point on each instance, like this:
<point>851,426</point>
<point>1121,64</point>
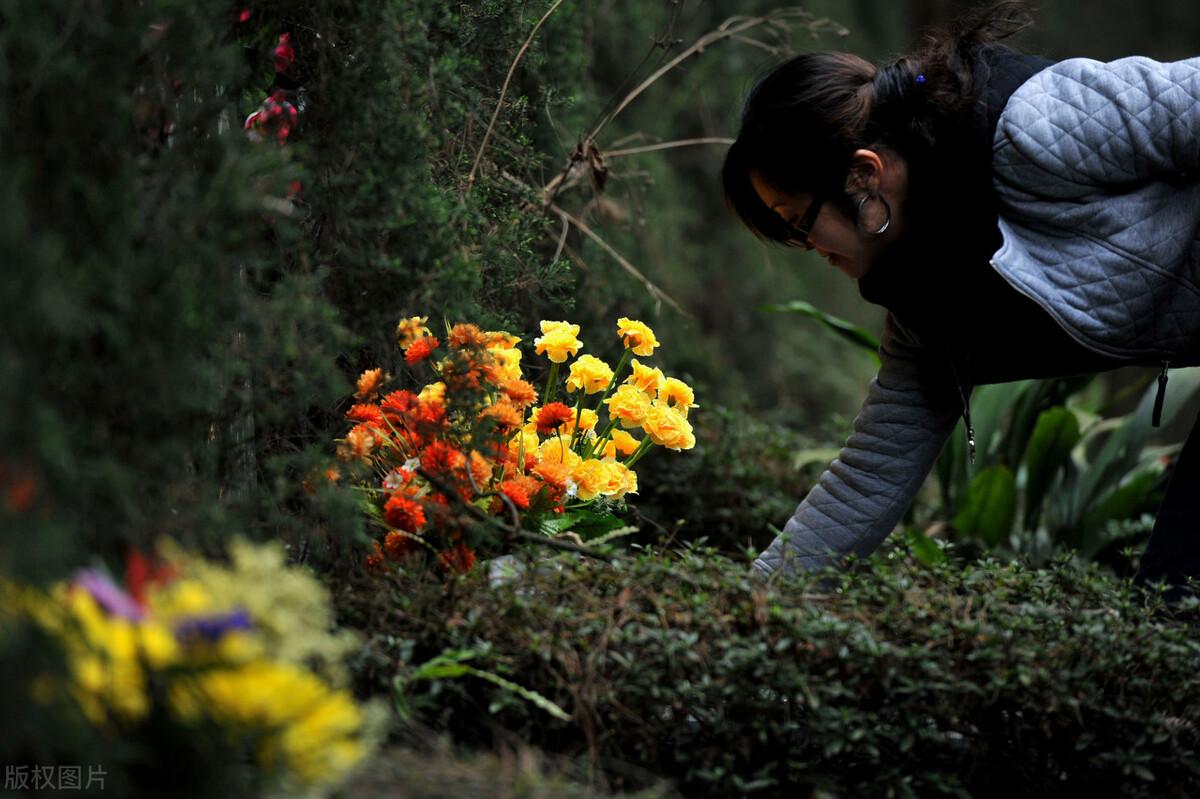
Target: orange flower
<point>554,473</point>
<point>459,558</point>
<point>399,545</point>
<point>507,417</point>
<point>404,514</point>
<point>552,417</point>
<point>467,335</point>
<point>369,383</point>
<point>519,393</point>
<point>421,349</point>
<point>369,414</point>
<point>374,561</point>
<point>399,403</point>
<point>439,458</point>
<point>517,492</point>
<point>358,444</point>
<point>481,469</point>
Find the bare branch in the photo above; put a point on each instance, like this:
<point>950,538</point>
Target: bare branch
<point>667,145</point>
<point>503,90</point>
<point>730,27</point>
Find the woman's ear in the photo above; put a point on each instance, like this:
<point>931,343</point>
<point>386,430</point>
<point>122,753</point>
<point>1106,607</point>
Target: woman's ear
<point>866,173</point>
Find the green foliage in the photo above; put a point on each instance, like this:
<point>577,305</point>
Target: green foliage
<point>959,679</point>
<point>1073,476</point>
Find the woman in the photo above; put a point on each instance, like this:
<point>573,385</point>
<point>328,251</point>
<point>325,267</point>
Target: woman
<point>1018,218</point>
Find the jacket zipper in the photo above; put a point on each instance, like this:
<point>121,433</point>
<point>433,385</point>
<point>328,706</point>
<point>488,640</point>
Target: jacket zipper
<point>1156,417</point>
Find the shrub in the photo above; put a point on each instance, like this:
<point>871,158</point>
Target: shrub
<point>978,679</point>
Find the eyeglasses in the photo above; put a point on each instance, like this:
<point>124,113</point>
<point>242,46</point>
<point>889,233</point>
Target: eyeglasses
<point>799,233</point>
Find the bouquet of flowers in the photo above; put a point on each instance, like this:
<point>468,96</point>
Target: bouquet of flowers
<point>478,443</point>
<point>243,654</point>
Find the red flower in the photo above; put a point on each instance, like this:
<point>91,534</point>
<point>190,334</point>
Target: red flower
<point>459,558</point>
<point>404,514</point>
<point>283,54</point>
<point>439,458</point>
<point>374,561</point>
<point>421,349</point>
<point>552,417</point>
<point>368,414</point>
<point>399,545</point>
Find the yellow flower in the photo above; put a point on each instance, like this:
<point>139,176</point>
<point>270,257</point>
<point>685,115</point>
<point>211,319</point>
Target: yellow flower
<point>629,405</point>
<point>557,449</point>
<point>668,428</point>
<point>526,441</point>
<point>434,392</point>
<point>619,480</point>
<point>636,336</point>
<point>506,364</point>
<point>411,329</point>
<point>500,340</point>
<point>622,444</point>
<point>647,380</point>
<point>559,341</point>
<point>678,395</point>
<point>591,478</point>
<point>589,374</point>
<point>587,421</point>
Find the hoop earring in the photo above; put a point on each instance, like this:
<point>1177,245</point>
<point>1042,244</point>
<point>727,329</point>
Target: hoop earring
<point>886,222</point>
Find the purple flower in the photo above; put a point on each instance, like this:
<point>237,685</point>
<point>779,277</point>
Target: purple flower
<point>109,595</point>
<point>211,628</point>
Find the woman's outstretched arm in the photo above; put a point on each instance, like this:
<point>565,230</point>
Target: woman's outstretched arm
<point>911,408</point>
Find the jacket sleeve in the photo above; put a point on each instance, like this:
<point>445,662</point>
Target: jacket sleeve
<point>911,407</point>
<point>1083,123</point>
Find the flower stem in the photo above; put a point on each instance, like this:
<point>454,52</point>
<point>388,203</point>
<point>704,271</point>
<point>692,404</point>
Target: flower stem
<point>551,379</point>
<point>642,449</point>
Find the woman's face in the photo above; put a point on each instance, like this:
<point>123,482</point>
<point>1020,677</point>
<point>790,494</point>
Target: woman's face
<point>835,236</point>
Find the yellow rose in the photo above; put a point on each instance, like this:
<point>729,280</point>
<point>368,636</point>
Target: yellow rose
<point>678,395</point>
<point>559,341</point>
<point>668,428</point>
<point>589,374</point>
<point>647,380</point>
<point>636,336</point>
<point>622,444</point>
<point>411,329</point>
<point>628,405</point>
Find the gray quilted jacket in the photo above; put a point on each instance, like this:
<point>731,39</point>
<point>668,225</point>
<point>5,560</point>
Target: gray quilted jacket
<point>1096,169</point>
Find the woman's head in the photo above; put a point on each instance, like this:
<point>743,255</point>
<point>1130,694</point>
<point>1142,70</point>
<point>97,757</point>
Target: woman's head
<point>860,140</point>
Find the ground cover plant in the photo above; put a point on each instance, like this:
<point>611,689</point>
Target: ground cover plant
<point>220,219</point>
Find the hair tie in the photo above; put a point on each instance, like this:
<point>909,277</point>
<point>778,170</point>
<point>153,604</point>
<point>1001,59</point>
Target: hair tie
<point>920,78</point>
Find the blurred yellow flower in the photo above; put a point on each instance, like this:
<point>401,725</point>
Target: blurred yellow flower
<point>500,340</point>
<point>559,341</point>
<point>434,392</point>
<point>506,364</point>
<point>411,329</point>
<point>647,379</point>
<point>587,420</point>
<point>636,336</point>
<point>678,395</point>
<point>622,444</point>
<point>629,406</point>
<point>589,374</point>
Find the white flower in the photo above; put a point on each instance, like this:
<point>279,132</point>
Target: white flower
<point>572,488</point>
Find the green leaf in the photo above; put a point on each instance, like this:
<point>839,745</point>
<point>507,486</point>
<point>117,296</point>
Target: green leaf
<point>846,330</point>
<point>990,507</point>
<point>924,548</point>
<point>1054,436</point>
<point>525,693</point>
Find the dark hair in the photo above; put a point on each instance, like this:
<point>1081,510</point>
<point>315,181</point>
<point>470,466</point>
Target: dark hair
<point>826,105</point>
